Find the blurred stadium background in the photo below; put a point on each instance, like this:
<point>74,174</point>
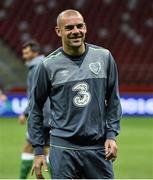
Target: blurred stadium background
<point>125,28</point>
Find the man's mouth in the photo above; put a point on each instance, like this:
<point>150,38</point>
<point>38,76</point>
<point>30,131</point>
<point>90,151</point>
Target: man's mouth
<point>75,37</point>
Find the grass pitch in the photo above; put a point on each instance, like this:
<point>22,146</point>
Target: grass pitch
<point>135,148</point>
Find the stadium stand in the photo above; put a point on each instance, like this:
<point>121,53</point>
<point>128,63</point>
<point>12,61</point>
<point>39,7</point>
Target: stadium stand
<point>124,27</point>
<point>12,70</point>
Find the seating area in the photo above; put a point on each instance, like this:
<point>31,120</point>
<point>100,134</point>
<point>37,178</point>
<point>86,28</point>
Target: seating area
<point>124,27</point>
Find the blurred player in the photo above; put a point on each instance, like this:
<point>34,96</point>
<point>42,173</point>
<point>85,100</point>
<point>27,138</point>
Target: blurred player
<point>3,97</point>
<point>31,54</point>
<point>82,83</point>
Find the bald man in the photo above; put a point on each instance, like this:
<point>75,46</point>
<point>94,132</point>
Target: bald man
<point>82,83</point>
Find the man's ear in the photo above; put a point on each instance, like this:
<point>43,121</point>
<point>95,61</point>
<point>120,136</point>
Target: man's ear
<point>58,32</point>
<point>85,27</point>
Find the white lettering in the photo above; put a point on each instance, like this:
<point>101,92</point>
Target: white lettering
<point>139,106</point>
<point>19,105</point>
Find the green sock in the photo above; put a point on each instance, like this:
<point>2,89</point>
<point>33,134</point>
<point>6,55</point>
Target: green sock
<point>26,165</point>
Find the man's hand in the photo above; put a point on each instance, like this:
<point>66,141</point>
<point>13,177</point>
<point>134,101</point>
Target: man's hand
<point>110,149</point>
<point>39,161</point>
<point>22,119</point>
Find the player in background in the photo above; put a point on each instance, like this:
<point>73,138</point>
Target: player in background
<point>31,53</point>
<point>3,97</point>
<point>81,81</point>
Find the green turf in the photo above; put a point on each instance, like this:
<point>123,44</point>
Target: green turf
<point>135,146</point>
<point>12,138</point>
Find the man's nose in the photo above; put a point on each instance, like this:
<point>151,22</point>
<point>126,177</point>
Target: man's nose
<point>75,29</point>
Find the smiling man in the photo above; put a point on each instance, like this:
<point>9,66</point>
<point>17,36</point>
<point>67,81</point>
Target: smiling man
<point>82,83</point>
<point>72,29</point>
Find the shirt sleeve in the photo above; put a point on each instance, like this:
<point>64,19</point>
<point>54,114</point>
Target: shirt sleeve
<point>30,80</point>
<point>113,105</point>
<point>39,94</point>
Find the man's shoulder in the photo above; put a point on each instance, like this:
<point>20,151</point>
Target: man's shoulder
<point>97,48</point>
<point>52,56</point>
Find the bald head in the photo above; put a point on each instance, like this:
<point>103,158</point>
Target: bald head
<point>71,28</point>
<point>66,14</point>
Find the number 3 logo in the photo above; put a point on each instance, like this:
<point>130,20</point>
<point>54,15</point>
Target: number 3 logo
<point>83,96</point>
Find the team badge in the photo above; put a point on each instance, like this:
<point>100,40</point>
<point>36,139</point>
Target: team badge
<point>95,67</point>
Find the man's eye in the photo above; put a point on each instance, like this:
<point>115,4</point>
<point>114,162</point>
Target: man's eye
<point>69,27</point>
<point>79,26</point>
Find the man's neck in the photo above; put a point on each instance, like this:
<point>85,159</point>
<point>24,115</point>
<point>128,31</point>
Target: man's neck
<point>75,51</point>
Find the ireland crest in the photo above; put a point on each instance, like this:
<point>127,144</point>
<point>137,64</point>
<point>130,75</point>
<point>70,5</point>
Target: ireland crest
<point>95,67</point>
